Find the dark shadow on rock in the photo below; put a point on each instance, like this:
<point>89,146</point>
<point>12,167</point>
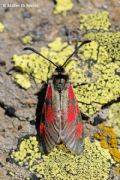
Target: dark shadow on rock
<point>41,98</point>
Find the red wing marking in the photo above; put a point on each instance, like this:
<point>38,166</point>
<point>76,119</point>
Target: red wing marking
<point>71,93</point>
<point>71,109</point>
<point>71,114</point>
<point>49,93</point>
<point>79,130</point>
<point>49,110</point>
<point>42,129</point>
<point>49,114</point>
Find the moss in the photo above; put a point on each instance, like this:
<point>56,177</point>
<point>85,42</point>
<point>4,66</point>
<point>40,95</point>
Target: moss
<point>96,21</point>
<point>61,164</point>
<point>27,40</point>
<point>63,6</point>
<point>2,27</point>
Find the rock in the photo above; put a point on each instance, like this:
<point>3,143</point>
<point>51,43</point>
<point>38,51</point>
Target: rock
<point>10,111</point>
<point>26,14</point>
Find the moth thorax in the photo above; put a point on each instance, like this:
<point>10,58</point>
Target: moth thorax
<point>60,83</point>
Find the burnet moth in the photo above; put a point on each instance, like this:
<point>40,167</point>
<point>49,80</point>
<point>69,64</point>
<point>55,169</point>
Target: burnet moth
<point>60,120</point>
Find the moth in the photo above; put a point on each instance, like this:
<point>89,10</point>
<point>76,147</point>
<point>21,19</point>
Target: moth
<point>60,120</point>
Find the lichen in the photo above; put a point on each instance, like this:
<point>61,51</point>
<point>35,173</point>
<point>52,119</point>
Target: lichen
<point>114,117</point>
<point>63,6</point>
<point>99,63</point>
<point>2,27</point>
<point>28,152</point>
<point>109,140</point>
<point>96,21</point>
<point>37,67</point>
<point>23,80</point>
<point>57,45</point>
<point>27,39</point>
<point>61,164</point>
<point>117,170</point>
<point>93,73</point>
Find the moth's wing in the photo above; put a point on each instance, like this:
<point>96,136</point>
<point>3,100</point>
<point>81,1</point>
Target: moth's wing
<point>49,126</point>
<point>72,125</point>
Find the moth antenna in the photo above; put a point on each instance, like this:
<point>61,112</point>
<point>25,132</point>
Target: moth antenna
<point>35,51</point>
<point>75,51</point>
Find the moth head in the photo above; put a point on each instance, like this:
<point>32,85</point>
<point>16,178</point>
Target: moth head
<point>60,78</point>
<point>60,72</point>
<point>60,69</point>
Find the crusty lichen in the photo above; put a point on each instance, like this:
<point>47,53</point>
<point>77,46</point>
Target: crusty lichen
<point>99,64</point>
<point>22,79</point>
<point>109,140</point>
<point>117,170</point>
<point>2,27</point>
<point>37,67</point>
<point>63,6</point>
<point>96,21</point>
<point>114,117</point>
<point>95,68</point>
<point>61,164</point>
<point>28,152</point>
<point>27,39</point>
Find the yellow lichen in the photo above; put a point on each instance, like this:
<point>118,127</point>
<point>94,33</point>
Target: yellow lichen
<point>61,164</point>
<point>117,170</point>
<point>114,117</point>
<point>108,140</point>
<point>57,45</point>
<point>23,80</point>
<point>100,70</point>
<point>104,144</point>
<point>27,40</point>
<point>96,21</point>
<point>95,68</point>
<point>63,6</point>
<point>2,27</point>
<point>115,153</point>
<point>37,67</point>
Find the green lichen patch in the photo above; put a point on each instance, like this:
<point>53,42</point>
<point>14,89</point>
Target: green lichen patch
<point>28,152</point>
<point>61,164</point>
<point>27,39</point>
<point>57,45</point>
<point>37,67</point>
<point>2,27</point>
<point>108,140</point>
<point>114,117</point>
<point>109,45</point>
<point>96,21</point>
<point>22,79</point>
<point>99,63</point>
<point>63,6</point>
<point>93,73</point>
